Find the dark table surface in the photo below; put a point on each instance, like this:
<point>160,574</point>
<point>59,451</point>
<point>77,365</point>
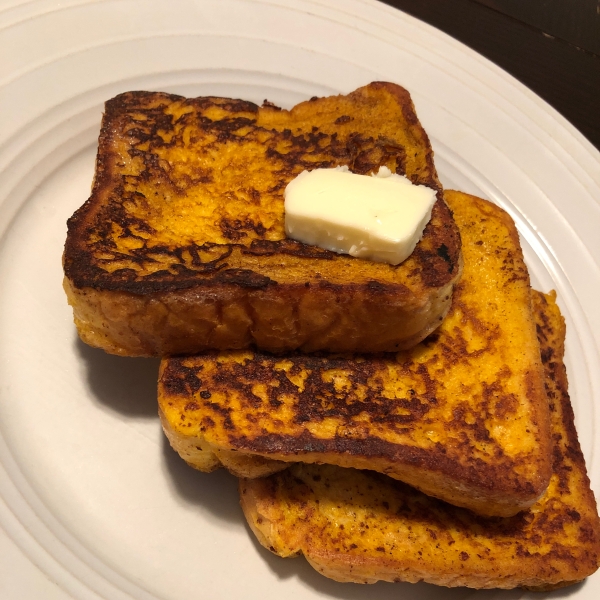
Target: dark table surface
<point>552,46</point>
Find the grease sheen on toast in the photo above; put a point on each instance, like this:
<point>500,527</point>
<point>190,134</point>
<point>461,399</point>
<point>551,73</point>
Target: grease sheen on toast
<point>181,246</point>
<point>363,527</point>
<point>462,416</point>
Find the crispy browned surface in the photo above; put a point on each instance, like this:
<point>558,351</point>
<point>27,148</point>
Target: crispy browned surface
<point>462,416</point>
<point>203,457</point>
<point>361,526</point>
<point>181,246</point>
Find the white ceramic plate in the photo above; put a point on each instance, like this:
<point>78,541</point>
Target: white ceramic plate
<point>93,504</point>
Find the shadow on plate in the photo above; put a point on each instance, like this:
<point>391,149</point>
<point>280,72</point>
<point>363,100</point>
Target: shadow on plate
<point>216,491</point>
<point>123,384</point>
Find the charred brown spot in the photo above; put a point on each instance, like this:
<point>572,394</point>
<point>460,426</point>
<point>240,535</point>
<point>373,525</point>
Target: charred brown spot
<point>267,104</point>
<point>243,278</point>
<point>287,246</point>
<point>235,229</point>
<point>179,380</point>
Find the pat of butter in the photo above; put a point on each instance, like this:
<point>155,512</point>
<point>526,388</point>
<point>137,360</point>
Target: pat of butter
<point>379,217</point>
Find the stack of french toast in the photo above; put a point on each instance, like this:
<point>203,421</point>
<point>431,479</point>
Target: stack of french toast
<point>402,422</point>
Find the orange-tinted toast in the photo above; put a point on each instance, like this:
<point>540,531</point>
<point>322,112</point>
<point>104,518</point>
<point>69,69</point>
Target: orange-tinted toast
<point>462,416</point>
<point>361,526</point>
<point>181,246</point>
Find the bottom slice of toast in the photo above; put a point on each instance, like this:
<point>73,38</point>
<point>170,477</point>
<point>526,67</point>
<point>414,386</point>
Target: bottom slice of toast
<point>363,527</point>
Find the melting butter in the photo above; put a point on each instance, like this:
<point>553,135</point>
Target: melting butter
<point>379,217</point>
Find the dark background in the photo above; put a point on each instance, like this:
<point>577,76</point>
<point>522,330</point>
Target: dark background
<point>552,46</point>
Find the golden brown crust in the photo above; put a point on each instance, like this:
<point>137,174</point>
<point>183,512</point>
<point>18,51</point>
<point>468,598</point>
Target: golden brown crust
<point>363,527</point>
<point>181,246</point>
<point>463,416</point>
<point>199,455</point>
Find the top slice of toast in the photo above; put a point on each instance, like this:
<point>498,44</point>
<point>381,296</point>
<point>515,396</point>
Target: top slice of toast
<point>462,416</point>
<point>181,246</point>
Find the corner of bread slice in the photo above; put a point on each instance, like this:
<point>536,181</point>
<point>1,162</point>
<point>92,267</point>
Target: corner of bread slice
<point>181,246</point>
<point>177,377</point>
<point>463,416</point>
<point>364,527</point>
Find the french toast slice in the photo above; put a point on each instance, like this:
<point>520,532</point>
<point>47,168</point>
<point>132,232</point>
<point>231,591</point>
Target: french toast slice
<point>462,416</point>
<point>181,246</point>
<point>363,527</point>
